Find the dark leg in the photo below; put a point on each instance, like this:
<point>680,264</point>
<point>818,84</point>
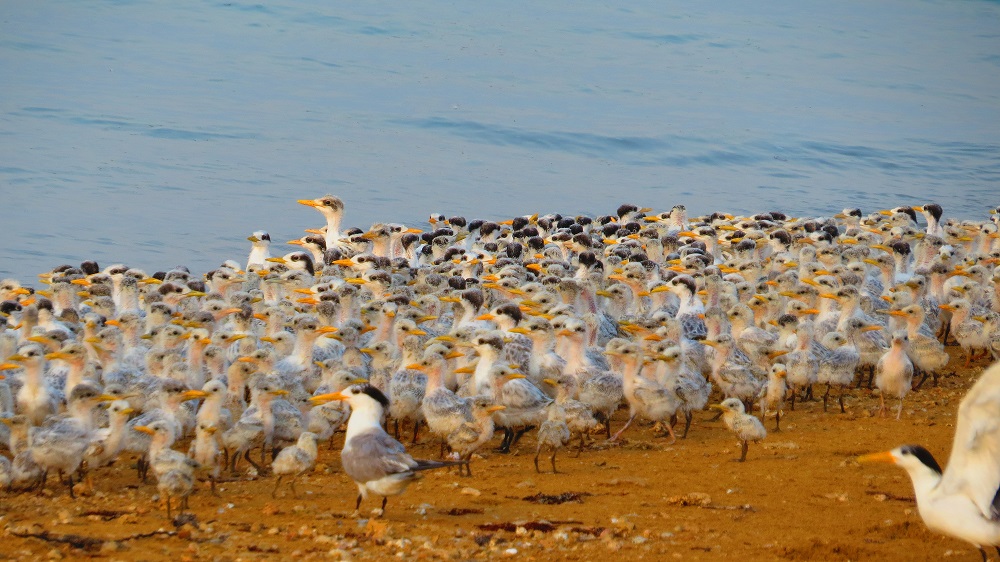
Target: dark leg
<point>809,393</point>
<point>277,483</point>
<point>357,506</point>
<point>397,429</point>
<point>212,480</point>
<point>416,429</point>
<point>687,423</point>
<point>291,485</point>
<point>256,466</point>
<point>793,399</point>
<point>384,500</point>
<point>554,451</point>
<point>170,515</point>
<point>777,420</point>
<point>841,400</point>
<point>826,396</point>
<point>580,450</point>
<point>537,452</point>
<point>743,456</point>
<point>70,479</point>
<point>519,434</point>
<point>508,436</point>
<point>42,480</point>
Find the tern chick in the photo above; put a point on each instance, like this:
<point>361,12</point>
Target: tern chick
<point>746,427</point>
<point>295,460</point>
<point>553,433</point>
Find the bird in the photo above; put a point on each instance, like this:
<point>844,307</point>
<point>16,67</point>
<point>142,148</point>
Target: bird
<point>174,470</point>
<point>894,372</point>
<point>378,464</point>
<point>553,433</point>
<point>746,427</point>
<point>473,433</point>
<point>295,460</point>
<point>960,501</point>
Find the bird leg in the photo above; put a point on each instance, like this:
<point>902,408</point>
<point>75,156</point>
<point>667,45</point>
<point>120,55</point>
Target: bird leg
<point>624,427</point>
<point>277,483</point>
<point>397,429</point>
<point>881,408</point>
<point>899,412</point>
<point>871,376</point>
<point>520,433</point>
<point>416,428</point>
<point>826,396</point>
<point>170,515</point>
<point>212,480</point>
<point>777,420</point>
<point>142,468</point>
<point>793,399</point>
<point>607,424</point>
<point>809,393</point>
<point>743,456</point>
<point>257,467</point>
<point>381,511</point>
<point>579,450</point>
<point>291,485</point>
<point>553,459</point>
<point>505,441</point>
<point>537,452</point>
<point>69,478</point>
<point>841,400</point>
<point>687,423</point>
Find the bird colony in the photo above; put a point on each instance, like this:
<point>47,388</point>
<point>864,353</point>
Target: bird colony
<point>479,335</point>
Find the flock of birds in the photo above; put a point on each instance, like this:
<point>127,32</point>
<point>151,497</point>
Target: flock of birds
<point>471,328</point>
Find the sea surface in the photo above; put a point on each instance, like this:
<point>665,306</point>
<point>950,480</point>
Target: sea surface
<point>164,133</point>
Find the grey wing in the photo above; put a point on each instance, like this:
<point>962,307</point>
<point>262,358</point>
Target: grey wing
<point>373,455</point>
<point>974,466</point>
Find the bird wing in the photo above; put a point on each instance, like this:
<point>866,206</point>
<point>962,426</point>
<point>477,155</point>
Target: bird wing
<point>373,455</point>
<point>974,466</point>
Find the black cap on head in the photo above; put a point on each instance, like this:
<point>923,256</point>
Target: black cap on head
<point>90,267</point>
<point>376,394</point>
<point>923,455</point>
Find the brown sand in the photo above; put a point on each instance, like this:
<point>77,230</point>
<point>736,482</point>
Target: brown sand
<point>800,496</point>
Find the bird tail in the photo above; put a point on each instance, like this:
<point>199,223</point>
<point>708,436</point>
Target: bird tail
<point>431,465</point>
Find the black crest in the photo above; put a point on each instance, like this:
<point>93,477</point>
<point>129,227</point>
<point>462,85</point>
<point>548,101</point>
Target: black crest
<point>375,393</point>
<point>923,455</point>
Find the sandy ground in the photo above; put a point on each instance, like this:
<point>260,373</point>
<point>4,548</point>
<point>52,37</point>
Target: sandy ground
<point>800,496</point>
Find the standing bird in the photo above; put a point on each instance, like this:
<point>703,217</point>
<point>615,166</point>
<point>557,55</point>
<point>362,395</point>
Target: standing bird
<point>772,396</point>
<point>553,433</point>
<point>746,427</point>
<point>376,462</point>
<point>295,460</point>
<point>259,252</point>
<point>894,372</point>
<point>961,501</point>
<point>472,434</point>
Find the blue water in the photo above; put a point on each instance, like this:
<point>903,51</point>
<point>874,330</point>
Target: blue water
<point>163,133</point>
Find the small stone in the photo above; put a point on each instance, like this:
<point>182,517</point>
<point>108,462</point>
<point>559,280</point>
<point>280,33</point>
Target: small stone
<point>510,552</point>
<point>470,491</point>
